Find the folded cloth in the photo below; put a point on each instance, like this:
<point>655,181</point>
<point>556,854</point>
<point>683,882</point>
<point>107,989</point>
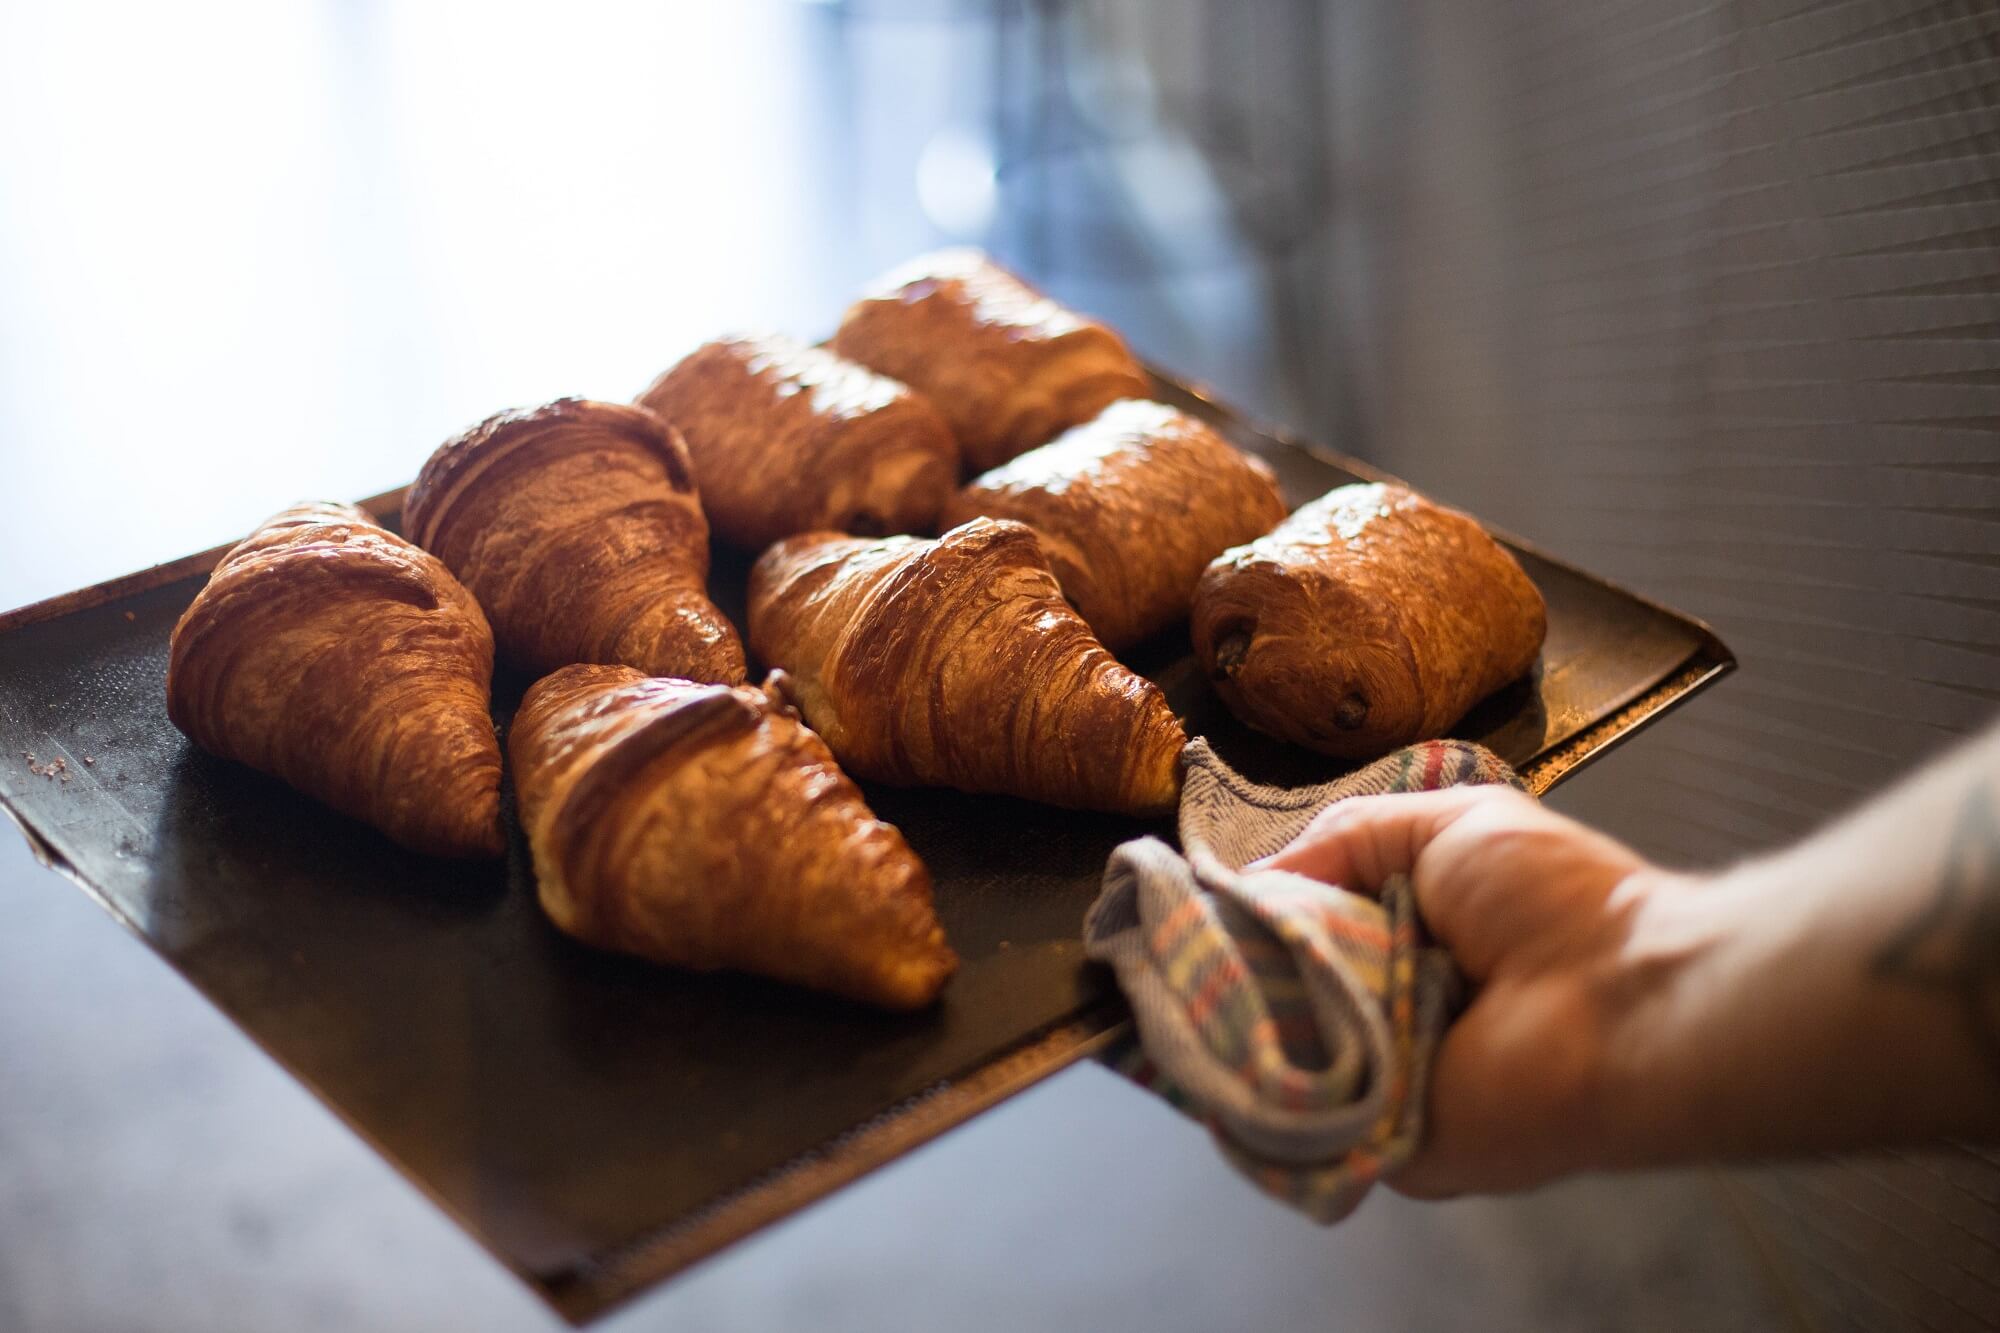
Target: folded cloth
<point>1296,1019</point>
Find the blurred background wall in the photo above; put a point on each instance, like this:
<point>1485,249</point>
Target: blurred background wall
<point>1704,296</point>
<point>1707,297</point>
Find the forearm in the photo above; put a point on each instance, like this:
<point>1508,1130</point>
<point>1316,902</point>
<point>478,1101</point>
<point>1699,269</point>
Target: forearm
<point>1843,993</point>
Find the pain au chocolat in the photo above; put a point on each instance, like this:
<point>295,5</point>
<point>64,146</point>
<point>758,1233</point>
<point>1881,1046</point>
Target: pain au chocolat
<point>1369,619</point>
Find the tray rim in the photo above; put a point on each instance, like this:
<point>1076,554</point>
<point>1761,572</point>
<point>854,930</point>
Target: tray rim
<point>595,1287</point>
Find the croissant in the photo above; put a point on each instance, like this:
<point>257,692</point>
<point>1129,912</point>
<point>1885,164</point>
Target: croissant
<point>578,528</point>
<point>332,654</point>
<point>1130,506</point>
<point>702,825</point>
<point>1009,367</point>
<point>788,438</point>
<point>956,663</point>
<point>1369,619</point>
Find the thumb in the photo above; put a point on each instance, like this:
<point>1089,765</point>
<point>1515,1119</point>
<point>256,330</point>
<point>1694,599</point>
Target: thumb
<point>1359,843</point>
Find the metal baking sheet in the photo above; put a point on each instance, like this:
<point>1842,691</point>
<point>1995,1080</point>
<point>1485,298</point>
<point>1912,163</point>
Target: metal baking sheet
<point>599,1123</point>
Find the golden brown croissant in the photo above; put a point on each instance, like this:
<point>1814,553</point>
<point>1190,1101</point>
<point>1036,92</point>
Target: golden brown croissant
<point>1009,367</point>
<point>1130,506</point>
<point>788,438</point>
<point>333,654</point>
<point>578,528</point>
<point>1369,619</point>
<point>703,825</point>
<point>957,663</point>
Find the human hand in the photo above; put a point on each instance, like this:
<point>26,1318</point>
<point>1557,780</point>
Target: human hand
<point>1837,994</point>
<point>1544,916</point>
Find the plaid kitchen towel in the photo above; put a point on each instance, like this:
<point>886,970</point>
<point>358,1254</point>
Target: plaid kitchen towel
<point>1294,1018</point>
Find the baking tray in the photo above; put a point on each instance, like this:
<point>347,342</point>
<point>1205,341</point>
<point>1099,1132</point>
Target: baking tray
<point>599,1123</point>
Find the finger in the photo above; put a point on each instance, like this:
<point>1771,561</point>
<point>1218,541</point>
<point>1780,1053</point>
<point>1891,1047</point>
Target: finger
<point>1360,842</point>
<point>1455,1155</point>
<point>1450,1165</point>
<point>1422,1177</point>
<point>1513,1096</point>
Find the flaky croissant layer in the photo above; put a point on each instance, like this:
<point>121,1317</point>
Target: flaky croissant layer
<point>1009,367</point>
<point>788,438</point>
<point>704,826</point>
<point>1130,507</point>
<point>957,663</point>
<point>578,528</point>
<point>334,655</point>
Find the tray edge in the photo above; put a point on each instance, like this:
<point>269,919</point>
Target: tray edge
<point>594,1289</point>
